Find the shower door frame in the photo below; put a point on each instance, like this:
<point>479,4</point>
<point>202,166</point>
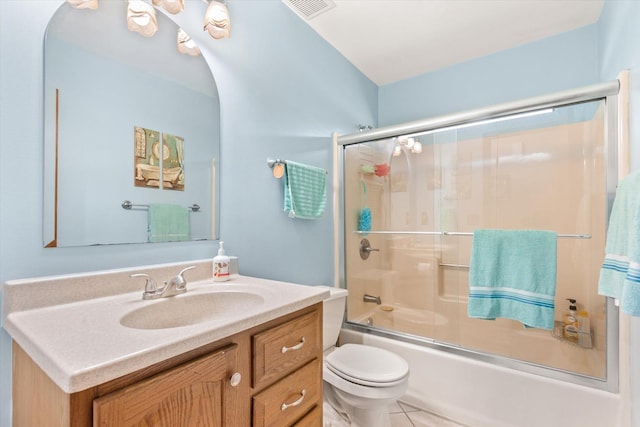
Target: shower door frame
<point>607,92</point>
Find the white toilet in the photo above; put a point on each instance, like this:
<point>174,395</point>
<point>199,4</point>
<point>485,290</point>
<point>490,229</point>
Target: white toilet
<point>360,381</point>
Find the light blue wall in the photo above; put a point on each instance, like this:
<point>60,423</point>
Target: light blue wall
<point>619,49</point>
<point>283,92</point>
<point>281,98</point>
<point>566,61</point>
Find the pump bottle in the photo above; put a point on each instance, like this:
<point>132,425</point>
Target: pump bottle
<point>570,331</point>
<point>221,271</point>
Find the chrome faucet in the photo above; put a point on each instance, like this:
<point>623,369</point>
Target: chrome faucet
<point>371,298</point>
<point>176,285</point>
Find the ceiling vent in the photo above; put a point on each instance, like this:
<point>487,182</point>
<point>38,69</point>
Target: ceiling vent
<point>309,9</point>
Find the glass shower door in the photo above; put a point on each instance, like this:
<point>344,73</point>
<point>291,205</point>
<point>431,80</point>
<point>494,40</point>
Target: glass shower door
<point>427,193</point>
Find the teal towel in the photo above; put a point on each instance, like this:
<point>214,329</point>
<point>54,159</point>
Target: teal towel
<point>620,272</point>
<point>305,190</point>
<point>168,223</point>
<point>513,275</point>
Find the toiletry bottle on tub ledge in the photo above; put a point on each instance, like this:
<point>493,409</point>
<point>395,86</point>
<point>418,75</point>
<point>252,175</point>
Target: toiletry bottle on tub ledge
<point>570,331</point>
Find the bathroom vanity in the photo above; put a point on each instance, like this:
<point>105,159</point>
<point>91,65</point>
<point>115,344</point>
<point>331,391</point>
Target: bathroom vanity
<point>102,359</point>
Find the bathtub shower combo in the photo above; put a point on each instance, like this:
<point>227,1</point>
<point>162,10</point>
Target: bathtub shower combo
<point>413,194</point>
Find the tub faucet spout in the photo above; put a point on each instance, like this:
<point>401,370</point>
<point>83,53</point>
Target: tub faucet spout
<point>371,298</point>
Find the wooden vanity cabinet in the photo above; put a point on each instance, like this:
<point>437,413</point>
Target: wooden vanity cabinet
<point>277,382</point>
<point>196,393</point>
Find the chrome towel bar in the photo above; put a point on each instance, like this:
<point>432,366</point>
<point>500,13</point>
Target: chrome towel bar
<point>129,206</point>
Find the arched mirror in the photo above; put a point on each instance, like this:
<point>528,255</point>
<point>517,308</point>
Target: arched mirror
<point>127,118</point>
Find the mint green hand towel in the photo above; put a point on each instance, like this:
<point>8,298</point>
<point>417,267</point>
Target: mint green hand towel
<point>168,223</point>
<point>305,190</point>
<point>513,275</point>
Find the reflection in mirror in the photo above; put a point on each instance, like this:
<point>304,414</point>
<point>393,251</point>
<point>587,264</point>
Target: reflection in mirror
<point>104,88</point>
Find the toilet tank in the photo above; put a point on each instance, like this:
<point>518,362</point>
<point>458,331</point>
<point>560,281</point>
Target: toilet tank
<point>332,315</point>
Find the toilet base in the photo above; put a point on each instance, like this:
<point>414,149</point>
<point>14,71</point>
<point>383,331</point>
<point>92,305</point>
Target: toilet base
<point>363,417</point>
<point>368,413</point>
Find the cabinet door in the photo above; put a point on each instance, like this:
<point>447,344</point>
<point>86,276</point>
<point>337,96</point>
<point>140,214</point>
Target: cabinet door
<point>198,393</point>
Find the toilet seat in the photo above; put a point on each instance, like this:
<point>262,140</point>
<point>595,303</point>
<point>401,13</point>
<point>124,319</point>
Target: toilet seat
<point>368,366</point>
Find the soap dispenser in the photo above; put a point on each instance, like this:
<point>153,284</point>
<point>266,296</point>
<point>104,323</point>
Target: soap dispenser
<point>570,331</point>
<point>221,271</point>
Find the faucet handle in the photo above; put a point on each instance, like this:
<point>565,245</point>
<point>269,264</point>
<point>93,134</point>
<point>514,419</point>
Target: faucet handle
<point>179,281</point>
<point>150,284</point>
<point>186,269</point>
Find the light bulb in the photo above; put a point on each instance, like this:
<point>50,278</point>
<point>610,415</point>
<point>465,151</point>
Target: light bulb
<point>186,45</point>
<point>84,4</point>
<point>171,6</point>
<point>216,20</point>
<point>141,18</point>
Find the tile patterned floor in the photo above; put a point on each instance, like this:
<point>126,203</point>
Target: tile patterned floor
<point>401,415</point>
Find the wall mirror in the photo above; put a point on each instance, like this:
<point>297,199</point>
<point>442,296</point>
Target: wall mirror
<point>117,105</point>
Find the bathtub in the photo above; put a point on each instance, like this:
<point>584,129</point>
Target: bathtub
<point>481,394</point>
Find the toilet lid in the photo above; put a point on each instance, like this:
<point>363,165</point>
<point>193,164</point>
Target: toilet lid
<point>367,365</point>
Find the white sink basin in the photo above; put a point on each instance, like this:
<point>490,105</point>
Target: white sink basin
<point>190,309</point>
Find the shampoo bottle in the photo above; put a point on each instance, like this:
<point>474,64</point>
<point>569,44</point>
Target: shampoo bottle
<point>221,271</point>
<point>570,332</point>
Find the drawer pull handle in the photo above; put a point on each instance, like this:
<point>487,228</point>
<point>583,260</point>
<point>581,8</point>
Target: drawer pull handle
<point>295,347</point>
<point>235,379</point>
<point>296,403</point>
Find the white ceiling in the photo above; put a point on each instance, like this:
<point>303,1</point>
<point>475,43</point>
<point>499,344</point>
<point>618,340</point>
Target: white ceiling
<point>391,40</point>
<point>387,40</point>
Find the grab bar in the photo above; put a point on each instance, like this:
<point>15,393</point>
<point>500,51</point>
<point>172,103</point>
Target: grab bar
<point>453,265</point>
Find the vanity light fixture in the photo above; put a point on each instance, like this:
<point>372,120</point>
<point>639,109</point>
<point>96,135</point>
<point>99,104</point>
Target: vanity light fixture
<point>141,18</point>
<point>186,45</point>
<point>216,20</point>
<point>84,4</point>
<point>171,6</point>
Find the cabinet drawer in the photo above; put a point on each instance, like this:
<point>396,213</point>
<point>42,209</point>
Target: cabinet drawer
<point>289,399</point>
<point>284,348</point>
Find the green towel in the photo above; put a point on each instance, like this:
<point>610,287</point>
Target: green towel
<point>305,190</point>
<point>513,275</point>
<point>168,223</point>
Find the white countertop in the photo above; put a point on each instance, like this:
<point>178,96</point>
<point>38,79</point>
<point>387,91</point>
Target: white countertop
<point>81,343</point>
